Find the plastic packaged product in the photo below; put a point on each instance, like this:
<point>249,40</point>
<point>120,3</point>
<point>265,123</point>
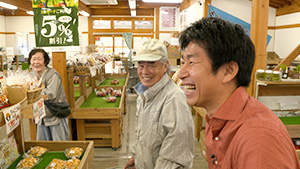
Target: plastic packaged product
<point>276,76</point>
<point>28,162</point>
<point>3,95</point>
<point>260,74</point>
<point>37,151</point>
<point>74,152</point>
<point>57,164</point>
<point>72,164</point>
<point>268,75</point>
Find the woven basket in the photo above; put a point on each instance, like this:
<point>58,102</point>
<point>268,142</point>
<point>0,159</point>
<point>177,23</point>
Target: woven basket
<point>33,95</point>
<point>81,70</point>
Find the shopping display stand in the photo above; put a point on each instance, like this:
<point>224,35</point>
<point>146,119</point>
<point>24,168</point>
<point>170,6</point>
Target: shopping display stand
<point>103,125</point>
<point>281,88</point>
<point>61,146</point>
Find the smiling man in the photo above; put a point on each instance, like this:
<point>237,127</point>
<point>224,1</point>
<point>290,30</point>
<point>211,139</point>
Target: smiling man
<point>240,131</point>
<point>164,125</point>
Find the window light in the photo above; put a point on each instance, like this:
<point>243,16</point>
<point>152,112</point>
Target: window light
<point>29,12</point>
<point>132,4</point>
<point>162,1</point>
<point>84,13</point>
<point>133,12</point>
<point>5,5</point>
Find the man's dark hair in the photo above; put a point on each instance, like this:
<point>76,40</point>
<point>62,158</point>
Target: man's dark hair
<point>34,51</point>
<point>223,42</point>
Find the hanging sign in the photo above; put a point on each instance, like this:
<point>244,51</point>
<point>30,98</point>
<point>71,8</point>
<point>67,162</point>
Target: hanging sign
<point>12,117</point>
<point>38,110</point>
<point>56,22</point>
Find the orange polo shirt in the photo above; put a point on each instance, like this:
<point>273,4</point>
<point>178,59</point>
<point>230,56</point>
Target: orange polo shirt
<point>244,133</point>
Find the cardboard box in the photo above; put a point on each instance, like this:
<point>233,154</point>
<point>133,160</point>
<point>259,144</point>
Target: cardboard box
<point>174,52</point>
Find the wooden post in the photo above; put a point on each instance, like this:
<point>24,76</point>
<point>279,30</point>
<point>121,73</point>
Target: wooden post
<point>60,65</point>
<point>156,20</point>
<point>259,29</point>
<point>206,6</point>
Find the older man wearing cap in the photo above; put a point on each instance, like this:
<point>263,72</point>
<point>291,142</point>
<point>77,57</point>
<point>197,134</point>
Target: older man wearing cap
<point>164,125</point>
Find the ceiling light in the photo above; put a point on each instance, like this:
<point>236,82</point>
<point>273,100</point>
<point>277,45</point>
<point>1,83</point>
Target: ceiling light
<point>5,5</point>
<point>132,4</point>
<point>29,12</point>
<point>84,13</point>
<point>133,12</point>
<point>162,1</point>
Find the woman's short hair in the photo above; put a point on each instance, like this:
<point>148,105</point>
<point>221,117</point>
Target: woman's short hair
<point>45,54</point>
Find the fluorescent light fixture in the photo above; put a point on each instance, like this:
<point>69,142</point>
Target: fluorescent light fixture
<point>29,12</point>
<point>162,1</point>
<point>132,4</point>
<point>84,13</point>
<point>133,12</point>
<point>5,5</point>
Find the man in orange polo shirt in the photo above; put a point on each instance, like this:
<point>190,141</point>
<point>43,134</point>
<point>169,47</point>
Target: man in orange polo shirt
<point>240,131</point>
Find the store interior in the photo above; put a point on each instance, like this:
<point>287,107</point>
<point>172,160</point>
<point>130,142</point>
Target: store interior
<point>111,32</point>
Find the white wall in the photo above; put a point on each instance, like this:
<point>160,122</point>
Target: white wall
<point>286,40</point>
<point>2,29</point>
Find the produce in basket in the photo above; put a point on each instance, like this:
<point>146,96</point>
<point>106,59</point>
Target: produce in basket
<point>100,93</point>
<point>114,82</point>
<point>111,99</point>
<point>74,152</point>
<point>57,164</point>
<point>37,151</point>
<point>27,162</point>
<point>109,90</point>
<point>117,93</point>
<point>76,79</point>
<point>72,164</point>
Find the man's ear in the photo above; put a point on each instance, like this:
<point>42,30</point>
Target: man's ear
<point>230,71</point>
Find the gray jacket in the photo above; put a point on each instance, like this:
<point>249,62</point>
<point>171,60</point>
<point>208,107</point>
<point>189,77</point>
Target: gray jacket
<point>54,90</point>
<point>164,127</point>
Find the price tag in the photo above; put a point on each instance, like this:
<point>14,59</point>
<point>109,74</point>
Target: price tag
<point>38,110</point>
<point>12,117</point>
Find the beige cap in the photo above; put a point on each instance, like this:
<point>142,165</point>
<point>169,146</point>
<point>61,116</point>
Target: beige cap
<point>152,50</point>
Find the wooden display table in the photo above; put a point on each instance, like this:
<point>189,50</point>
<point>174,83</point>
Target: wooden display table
<point>52,146</point>
<point>282,88</point>
<point>102,125</point>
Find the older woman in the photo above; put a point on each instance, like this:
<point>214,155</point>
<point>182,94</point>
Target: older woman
<point>50,127</point>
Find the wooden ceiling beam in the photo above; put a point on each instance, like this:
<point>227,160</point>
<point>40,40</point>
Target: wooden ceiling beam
<point>125,12</point>
<point>297,2</point>
<point>139,4</point>
<point>288,9</point>
<point>274,6</point>
<point>285,2</point>
<point>23,5</point>
<point>273,3</point>
<point>82,6</point>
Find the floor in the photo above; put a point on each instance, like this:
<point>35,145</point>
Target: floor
<point>106,158</point>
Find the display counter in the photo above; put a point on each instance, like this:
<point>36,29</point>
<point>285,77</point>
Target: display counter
<point>57,147</point>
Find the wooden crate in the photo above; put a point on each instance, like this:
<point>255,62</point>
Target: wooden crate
<point>88,146</point>
<point>102,125</point>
